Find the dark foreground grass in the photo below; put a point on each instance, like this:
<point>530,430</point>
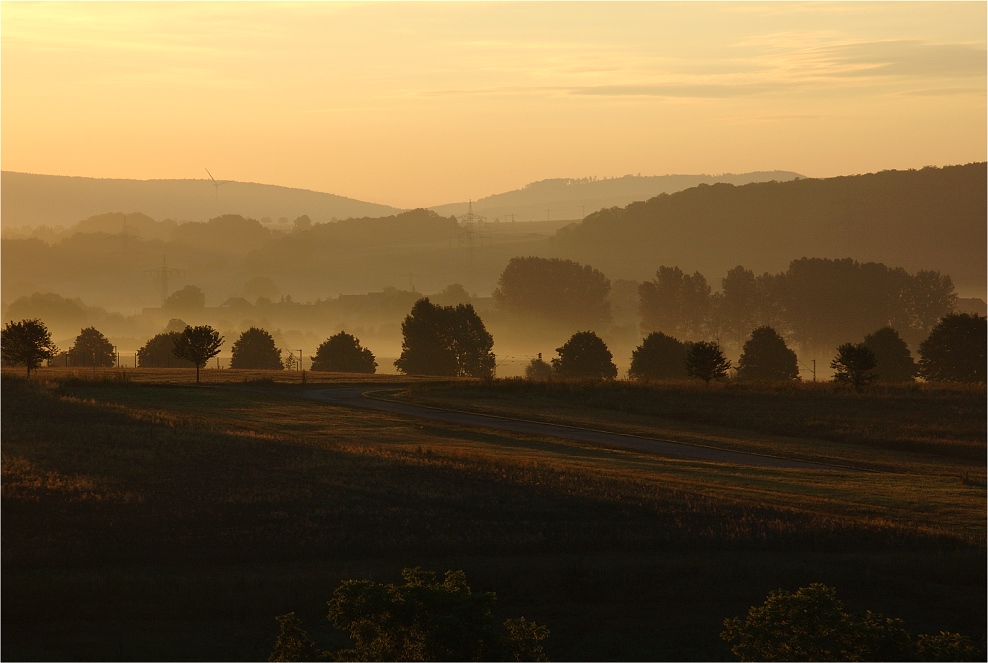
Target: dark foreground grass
<point>174,522</point>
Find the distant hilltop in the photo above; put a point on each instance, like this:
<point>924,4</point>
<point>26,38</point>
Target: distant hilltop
<point>573,199</point>
<point>55,200</point>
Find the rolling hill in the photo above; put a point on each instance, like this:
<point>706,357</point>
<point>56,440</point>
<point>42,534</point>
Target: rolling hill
<point>33,200</point>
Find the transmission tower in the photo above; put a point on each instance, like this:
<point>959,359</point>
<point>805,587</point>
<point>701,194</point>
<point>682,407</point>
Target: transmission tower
<point>163,273</point>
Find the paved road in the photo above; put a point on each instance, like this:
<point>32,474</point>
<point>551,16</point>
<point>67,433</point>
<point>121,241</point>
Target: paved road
<point>354,397</point>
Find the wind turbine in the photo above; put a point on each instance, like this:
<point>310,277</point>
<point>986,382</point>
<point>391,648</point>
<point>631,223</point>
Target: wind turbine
<point>216,185</point>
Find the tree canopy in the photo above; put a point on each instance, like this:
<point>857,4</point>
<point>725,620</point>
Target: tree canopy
<point>894,362</point>
<point>445,340</point>
<point>955,350</point>
<point>675,303</point>
<point>187,300</point>
<point>765,357</point>
<point>159,352</point>
<point>91,348</point>
<point>811,624</point>
<point>659,357</point>
<point>255,349</point>
<point>343,353</point>
<point>423,619</point>
<point>538,370</point>
<point>562,292</point>
<point>854,364</point>
<point>26,343</point>
<point>584,355</point>
<point>198,345</point>
<point>705,360</point>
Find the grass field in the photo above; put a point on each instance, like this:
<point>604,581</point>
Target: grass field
<point>146,517</point>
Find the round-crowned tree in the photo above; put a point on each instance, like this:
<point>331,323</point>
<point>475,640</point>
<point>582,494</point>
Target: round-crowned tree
<point>538,370</point>
<point>198,344</point>
<point>159,352</point>
<point>705,360</point>
<point>445,340</point>
<point>955,350</point>
<point>894,361</point>
<point>255,349</point>
<point>26,343</point>
<point>343,353</point>
<point>659,357</point>
<point>765,357</point>
<point>584,355</point>
<point>91,348</point>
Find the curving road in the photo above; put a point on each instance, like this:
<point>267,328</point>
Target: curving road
<point>357,396</point>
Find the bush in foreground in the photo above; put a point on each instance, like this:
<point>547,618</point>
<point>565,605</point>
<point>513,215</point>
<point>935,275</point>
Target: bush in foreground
<point>811,624</point>
<point>424,619</point>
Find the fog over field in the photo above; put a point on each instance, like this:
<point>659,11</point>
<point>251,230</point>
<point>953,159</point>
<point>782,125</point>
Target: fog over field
<point>494,330</point>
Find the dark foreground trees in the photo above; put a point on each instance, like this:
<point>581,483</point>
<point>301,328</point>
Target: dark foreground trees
<point>424,619</point>
<point>159,352</point>
<point>91,348</point>
<point>26,343</point>
<point>445,340</point>
<point>811,624</point>
<point>584,355</point>
<point>343,353</point>
<point>198,345</point>
<point>255,349</point>
<point>854,365</point>
<point>705,360</point>
<point>765,357</point>
<point>893,361</point>
<point>659,357</point>
<point>955,350</point>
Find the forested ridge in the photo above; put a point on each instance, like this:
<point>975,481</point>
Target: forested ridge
<point>932,218</point>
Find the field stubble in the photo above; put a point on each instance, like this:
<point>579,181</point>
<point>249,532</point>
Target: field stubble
<point>207,507</point>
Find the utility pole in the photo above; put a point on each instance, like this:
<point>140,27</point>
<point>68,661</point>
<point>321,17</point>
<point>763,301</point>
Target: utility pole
<point>163,273</point>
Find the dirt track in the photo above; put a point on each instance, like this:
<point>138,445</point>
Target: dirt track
<point>355,397</point>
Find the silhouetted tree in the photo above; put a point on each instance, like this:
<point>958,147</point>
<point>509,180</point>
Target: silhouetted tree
<point>894,362</point>
<point>445,340</point>
<point>675,303</point>
<point>187,300</point>
<point>26,343</point>
<point>705,360</point>
<point>424,619</point>
<point>343,353</point>
<point>955,350</point>
<point>562,292</point>
<point>255,349</point>
<point>159,352</point>
<point>451,296</point>
<point>929,297</point>
<point>584,355</point>
<point>176,325</point>
<point>738,306</point>
<point>538,370</point>
<point>854,364</point>
<point>766,357</point>
<point>811,624</point>
<point>91,348</point>
<point>659,357</point>
<point>198,345</point>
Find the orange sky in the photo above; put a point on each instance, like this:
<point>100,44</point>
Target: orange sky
<point>416,104</point>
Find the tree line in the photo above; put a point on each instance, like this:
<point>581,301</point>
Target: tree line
<point>453,341</point>
<point>815,304</point>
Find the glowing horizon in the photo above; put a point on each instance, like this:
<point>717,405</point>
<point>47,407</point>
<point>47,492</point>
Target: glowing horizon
<point>416,105</point>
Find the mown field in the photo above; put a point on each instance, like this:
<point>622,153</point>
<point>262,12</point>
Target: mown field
<point>146,517</point>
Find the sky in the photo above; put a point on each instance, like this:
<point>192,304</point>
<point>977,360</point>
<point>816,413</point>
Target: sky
<point>420,104</point>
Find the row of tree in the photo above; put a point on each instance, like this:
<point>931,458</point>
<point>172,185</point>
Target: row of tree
<point>814,304</point>
<point>453,341</point>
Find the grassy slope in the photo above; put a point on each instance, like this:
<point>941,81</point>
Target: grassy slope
<point>173,521</point>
